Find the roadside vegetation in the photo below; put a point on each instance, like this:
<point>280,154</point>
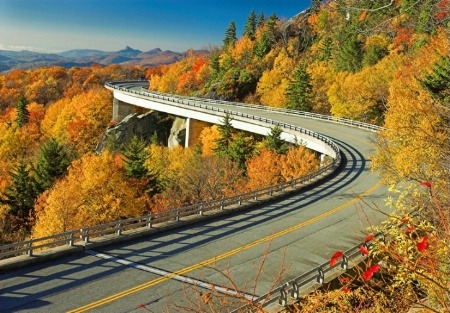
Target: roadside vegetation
<point>382,62</point>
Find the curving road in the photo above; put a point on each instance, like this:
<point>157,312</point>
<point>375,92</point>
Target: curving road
<point>298,233</point>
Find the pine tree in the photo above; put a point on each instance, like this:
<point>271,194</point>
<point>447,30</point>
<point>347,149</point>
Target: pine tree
<point>226,137</point>
<point>437,83</point>
<point>260,21</point>
<point>250,26</point>
<point>230,35</point>
<point>271,28</point>
<point>373,55</point>
<point>349,56</point>
<point>274,142</point>
<point>315,6</point>
<point>263,46</point>
<point>22,112</point>
<point>240,151</point>
<point>20,194</point>
<point>299,90</point>
<point>326,49</point>
<point>135,157</point>
<point>52,163</point>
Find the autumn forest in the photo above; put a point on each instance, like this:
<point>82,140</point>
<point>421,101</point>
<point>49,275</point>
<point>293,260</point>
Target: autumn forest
<point>380,62</point>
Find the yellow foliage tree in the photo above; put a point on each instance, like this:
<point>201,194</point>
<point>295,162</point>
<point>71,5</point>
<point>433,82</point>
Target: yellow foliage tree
<point>79,120</point>
<point>363,96</point>
<point>414,144</point>
<point>208,138</point>
<point>94,191</point>
<point>298,161</point>
<point>322,77</point>
<point>273,83</point>
<point>242,52</point>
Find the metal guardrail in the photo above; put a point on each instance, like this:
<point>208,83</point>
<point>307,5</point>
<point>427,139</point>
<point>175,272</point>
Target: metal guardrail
<point>316,276</point>
<point>328,118</point>
<point>150,220</point>
<point>117,227</point>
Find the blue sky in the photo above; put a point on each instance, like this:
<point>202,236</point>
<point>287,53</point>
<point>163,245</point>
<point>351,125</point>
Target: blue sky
<point>110,25</point>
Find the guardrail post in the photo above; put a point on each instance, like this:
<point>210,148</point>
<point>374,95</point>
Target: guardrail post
<point>283,296</point>
<point>176,216</point>
<point>294,292</point>
<point>149,222</point>
<point>70,241</point>
<point>30,249</point>
<point>320,275</point>
<point>270,191</point>
<point>200,209</point>
<point>84,235</point>
<point>119,229</point>
<point>254,196</point>
<point>344,263</point>
<point>240,200</point>
<point>221,204</point>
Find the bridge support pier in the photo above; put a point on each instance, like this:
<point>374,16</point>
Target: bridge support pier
<point>322,159</point>
<point>193,130</point>
<point>120,110</point>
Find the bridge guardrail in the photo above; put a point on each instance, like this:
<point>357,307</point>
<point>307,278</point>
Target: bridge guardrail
<point>289,291</point>
<point>317,116</point>
<point>149,220</point>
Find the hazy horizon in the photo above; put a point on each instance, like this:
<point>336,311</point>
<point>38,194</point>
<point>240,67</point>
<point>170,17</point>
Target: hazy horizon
<point>52,26</point>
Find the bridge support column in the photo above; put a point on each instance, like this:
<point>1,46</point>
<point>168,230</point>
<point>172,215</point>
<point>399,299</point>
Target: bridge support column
<point>120,110</point>
<point>193,130</point>
<point>322,159</point>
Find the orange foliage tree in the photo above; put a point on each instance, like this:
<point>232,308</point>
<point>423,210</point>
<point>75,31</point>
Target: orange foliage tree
<point>263,170</point>
<point>298,161</point>
<point>80,120</point>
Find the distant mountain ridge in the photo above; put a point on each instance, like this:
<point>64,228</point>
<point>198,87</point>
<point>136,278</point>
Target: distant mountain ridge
<point>12,60</point>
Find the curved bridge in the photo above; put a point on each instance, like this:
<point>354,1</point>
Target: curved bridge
<point>298,232</point>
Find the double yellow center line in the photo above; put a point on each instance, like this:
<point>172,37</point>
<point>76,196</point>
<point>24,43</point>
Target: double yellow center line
<point>222,256</point>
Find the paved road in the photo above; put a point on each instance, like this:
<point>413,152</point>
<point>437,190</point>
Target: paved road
<point>299,233</point>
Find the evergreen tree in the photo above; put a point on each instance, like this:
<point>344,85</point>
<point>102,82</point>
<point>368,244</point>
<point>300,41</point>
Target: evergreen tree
<point>226,137</point>
<point>20,194</point>
<point>52,163</point>
<point>214,63</point>
<point>22,112</point>
<point>260,21</point>
<point>315,6</point>
<point>373,55</point>
<point>230,35</point>
<point>271,29</point>
<point>250,26</point>
<point>274,142</point>
<point>326,49</point>
<point>240,151</point>
<point>349,56</point>
<point>263,46</point>
<point>299,90</point>
<point>437,83</point>
<point>135,157</point>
